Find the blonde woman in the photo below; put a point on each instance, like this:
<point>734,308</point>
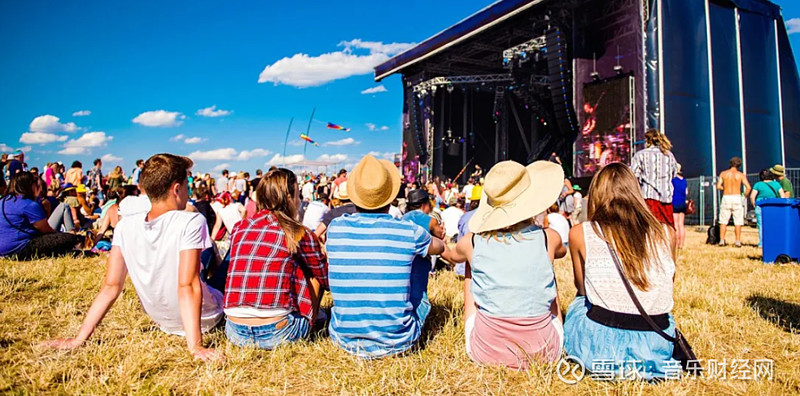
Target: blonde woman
<point>603,323</point>
<point>655,167</point>
<point>511,310</point>
<point>116,179</point>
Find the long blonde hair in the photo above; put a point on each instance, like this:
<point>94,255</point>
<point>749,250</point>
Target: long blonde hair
<point>616,205</point>
<point>658,139</point>
<point>117,172</point>
<point>506,235</point>
<point>277,192</point>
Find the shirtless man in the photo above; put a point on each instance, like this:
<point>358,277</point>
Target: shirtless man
<point>730,183</point>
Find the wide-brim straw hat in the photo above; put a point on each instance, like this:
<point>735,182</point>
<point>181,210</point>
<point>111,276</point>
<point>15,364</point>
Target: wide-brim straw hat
<point>513,193</point>
<point>373,183</point>
<point>778,170</point>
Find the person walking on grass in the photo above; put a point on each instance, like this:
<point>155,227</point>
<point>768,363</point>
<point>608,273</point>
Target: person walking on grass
<point>511,312</point>
<point>603,323</point>
<point>277,272</point>
<point>160,249</point>
<point>655,167</point>
<point>375,311</point>
<point>730,182</point>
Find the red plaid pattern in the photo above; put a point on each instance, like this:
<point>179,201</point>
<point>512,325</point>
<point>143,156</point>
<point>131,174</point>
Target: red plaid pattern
<point>263,274</point>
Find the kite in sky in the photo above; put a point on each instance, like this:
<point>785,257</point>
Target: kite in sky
<point>337,127</point>
<point>308,139</point>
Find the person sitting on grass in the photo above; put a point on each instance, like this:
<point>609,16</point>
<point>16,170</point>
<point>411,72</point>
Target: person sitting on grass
<point>511,311</point>
<point>160,249</point>
<point>603,323</point>
<point>277,271</point>
<point>24,230</point>
<point>370,253</point>
<point>112,216</point>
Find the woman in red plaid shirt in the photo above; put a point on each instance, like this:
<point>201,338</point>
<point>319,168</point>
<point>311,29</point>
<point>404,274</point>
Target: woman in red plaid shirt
<point>277,271</point>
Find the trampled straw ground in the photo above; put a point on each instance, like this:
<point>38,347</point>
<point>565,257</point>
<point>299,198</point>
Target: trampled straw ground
<point>728,304</point>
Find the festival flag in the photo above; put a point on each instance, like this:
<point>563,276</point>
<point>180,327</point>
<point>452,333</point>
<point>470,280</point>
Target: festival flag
<point>337,127</point>
<point>308,139</point>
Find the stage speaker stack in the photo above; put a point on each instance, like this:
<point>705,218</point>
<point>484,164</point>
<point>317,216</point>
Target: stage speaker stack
<point>558,67</point>
<point>453,148</point>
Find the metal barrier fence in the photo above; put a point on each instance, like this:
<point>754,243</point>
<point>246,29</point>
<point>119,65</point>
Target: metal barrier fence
<point>703,190</point>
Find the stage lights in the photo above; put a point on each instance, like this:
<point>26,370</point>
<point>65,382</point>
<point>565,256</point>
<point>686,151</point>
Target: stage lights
<point>595,76</point>
<point>618,69</point>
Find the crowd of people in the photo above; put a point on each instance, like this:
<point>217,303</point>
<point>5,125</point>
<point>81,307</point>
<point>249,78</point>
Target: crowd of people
<point>256,255</point>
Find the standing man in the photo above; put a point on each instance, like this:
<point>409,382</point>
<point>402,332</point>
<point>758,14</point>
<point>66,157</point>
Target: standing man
<point>730,183</point>
<point>654,167</point>
<point>137,172</point>
<point>222,182</point>
<point>94,179</point>
<point>780,176</point>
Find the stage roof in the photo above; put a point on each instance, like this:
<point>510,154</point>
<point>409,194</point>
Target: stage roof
<point>497,13</point>
<point>474,24</point>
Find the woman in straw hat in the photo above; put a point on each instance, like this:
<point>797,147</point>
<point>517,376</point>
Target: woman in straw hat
<point>603,322</point>
<point>511,307</point>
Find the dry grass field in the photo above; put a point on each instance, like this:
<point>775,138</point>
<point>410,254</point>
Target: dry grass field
<point>728,304</point>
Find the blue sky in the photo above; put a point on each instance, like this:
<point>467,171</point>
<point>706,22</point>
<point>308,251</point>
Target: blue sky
<point>150,73</point>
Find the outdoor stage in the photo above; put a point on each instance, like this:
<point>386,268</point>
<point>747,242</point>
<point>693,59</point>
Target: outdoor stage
<point>585,79</point>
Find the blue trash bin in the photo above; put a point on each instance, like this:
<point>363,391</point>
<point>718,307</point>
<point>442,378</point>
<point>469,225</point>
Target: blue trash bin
<point>780,224</point>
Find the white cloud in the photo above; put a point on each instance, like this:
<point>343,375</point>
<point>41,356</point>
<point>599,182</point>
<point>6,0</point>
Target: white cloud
<point>221,167</point>
<point>296,143</point>
<point>342,142</point>
<point>74,151</point>
<point>373,127</point>
<point>227,154</point>
<point>245,155</point>
<point>793,25</point>
<point>25,149</point>
<point>49,123</point>
<point>82,113</point>
<point>279,160</point>
<point>110,158</point>
<point>177,137</point>
<point>212,112</point>
<point>90,139</point>
<point>378,89</point>
<point>377,154</point>
<point>194,140</point>
<point>5,148</point>
<point>160,118</point>
<point>40,138</point>
<point>302,71</point>
<point>336,158</point>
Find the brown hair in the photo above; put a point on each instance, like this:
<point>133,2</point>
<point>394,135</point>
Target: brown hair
<point>616,205</point>
<point>736,162</point>
<point>160,172</point>
<point>116,172</point>
<point>658,139</point>
<point>277,192</point>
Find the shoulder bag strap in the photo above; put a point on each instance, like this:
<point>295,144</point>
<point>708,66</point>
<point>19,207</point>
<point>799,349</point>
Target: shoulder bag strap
<point>628,287</point>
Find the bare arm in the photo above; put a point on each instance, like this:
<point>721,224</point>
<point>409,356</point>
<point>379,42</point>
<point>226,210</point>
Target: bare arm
<point>555,247</point>
<point>43,226</point>
<point>436,247</point>
<point>746,183</point>
<point>112,286</point>
<point>753,195</point>
<point>463,250</point>
<point>217,226</point>
<point>437,230</point>
<point>190,299</point>
<point>719,182</point>
<point>578,252</point>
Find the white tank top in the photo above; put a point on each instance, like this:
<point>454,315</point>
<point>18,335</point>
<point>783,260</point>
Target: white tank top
<point>604,286</point>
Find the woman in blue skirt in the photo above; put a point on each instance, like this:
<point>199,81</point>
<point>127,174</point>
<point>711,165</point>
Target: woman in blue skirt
<point>603,327</point>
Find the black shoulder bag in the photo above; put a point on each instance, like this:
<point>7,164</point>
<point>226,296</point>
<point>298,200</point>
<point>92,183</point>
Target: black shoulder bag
<point>681,351</point>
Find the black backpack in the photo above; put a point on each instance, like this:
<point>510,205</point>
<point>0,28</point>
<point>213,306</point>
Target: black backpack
<point>713,235</point>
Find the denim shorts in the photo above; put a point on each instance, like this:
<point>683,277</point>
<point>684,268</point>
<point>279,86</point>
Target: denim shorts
<point>268,336</point>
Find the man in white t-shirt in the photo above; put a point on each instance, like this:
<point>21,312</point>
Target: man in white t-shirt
<point>222,182</point>
<point>467,191</point>
<point>451,216</point>
<point>160,249</point>
<point>315,211</point>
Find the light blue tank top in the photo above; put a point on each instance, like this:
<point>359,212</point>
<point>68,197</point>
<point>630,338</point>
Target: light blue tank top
<point>513,279</point>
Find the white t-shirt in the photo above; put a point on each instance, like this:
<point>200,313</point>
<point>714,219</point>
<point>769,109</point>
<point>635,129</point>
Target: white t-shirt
<point>560,224</point>
<point>450,218</point>
<point>308,191</point>
<point>314,213</point>
<point>152,255</point>
<point>222,184</point>
<point>230,214</point>
<point>468,192</point>
<point>240,184</point>
<point>134,204</point>
<point>395,212</point>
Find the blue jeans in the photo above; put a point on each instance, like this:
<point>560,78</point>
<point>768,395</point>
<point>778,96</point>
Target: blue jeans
<point>758,221</point>
<point>269,336</point>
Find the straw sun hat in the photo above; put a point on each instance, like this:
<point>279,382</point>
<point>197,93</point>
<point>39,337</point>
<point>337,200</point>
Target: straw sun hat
<point>513,193</point>
<point>373,183</point>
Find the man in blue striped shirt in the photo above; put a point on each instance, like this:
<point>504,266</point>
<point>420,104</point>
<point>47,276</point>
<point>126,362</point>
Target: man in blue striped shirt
<point>370,272</point>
